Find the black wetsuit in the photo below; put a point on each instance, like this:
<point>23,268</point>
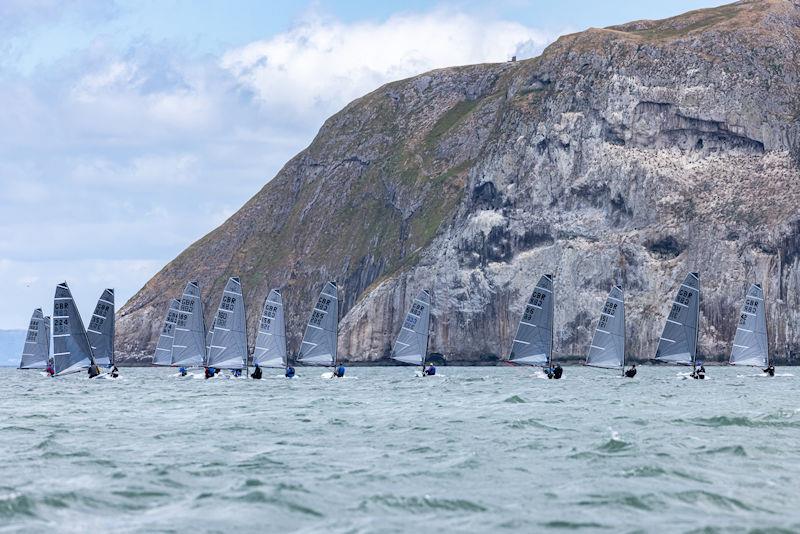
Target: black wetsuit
<point>770,370</point>
<point>630,373</point>
<point>256,373</point>
<point>557,372</point>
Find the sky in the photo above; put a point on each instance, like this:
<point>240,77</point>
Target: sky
<point>130,129</point>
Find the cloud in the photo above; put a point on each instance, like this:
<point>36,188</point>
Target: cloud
<point>128,154</point>
<point>321,64</point>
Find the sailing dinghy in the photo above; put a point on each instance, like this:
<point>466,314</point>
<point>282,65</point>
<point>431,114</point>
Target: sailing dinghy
<point>163,353</point>
<point>71,349</point>
<point>189,342</point>
<point>533,343</point>
<point>270,350</point>
<point>320,340</point>
<point>608,344</point>
<point>36,352</point>
<point>101,330</point>
<point>678,343</point>
<point>750,346</point>
<point>228,347</point>
<point>411,345</point>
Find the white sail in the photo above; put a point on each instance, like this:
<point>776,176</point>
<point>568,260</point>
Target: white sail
<point>750,342</point>
<point>189,345</point>
<point>163,352</point>
<point>411,345</point>
<point>36,352</point>
<point>533,343</point>
<point>271,340</point>
<point>71,349</point>
<point>608,344</point>
<point>228,349</point>
<point>101,329</point>
<point>678,342</point>
<point>320,339</point>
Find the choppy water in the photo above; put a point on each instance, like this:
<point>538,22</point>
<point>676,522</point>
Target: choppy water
<point>479,449</point>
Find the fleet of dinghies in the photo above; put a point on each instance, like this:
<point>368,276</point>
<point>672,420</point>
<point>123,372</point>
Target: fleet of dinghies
<point>185,343</point>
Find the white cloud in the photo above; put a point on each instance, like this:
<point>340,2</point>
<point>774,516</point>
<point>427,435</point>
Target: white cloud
<point>320,65</point>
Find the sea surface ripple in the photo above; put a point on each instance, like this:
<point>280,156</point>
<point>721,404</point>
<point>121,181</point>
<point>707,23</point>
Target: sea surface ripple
<point>475,450</point>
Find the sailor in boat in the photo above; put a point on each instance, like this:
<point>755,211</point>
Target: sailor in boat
<point>114,372</point>
<point>770,370</point>
<point>50,370</point>
<point>558,371</point>
<point>630,373</point>
<point>210,372</point>
<point>289,371</point>
<point>339,372</point>
<point>93,371</point>
<point>548,371</point>
<point>256,373</point>
<point>430,370</point>
<point>182,371</point>
<point>699,372</point>
<point>236,372</point>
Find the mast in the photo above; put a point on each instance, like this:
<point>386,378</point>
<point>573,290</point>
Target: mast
<point>623,333</point>
<point>552,322</point>
<point>697,330</point>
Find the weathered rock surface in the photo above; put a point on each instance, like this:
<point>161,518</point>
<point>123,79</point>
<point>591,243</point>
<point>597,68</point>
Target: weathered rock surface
<point>628,155</point>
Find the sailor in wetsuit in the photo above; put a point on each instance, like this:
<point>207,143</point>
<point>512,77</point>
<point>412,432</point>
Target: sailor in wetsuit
<point>182,371</point>
<point>289,371</point>
<point>93,371</point>
<point>50,370</point>
<point>236,372</point>
<point>699,372</point>
<point>256,373</point>
<point>430,370</point>
<point>114,372</point>
<point>630,373</point>
<point>339,372</point>
<point>770,370</point>
<point>558,371</point>
<point>209,372</point>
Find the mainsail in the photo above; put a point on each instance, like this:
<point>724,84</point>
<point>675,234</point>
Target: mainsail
<point>101,329</point>
<point>411,345</point>
<point>163,353</point>
<point>271,340</point>
<point>189,344</point>
<point>36,352</point>
<point>228,349</point>
<point>533,343</point>
<point>678,343</point>
<point>750,342</point>
<point>608,344</point>
<point>71,349</point>
<point>321,336</point>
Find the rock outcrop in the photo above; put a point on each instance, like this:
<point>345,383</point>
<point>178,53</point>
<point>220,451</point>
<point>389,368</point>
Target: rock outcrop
<point>629,155</point>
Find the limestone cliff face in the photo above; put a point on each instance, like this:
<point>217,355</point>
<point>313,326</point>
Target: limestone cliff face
<point>628,155</point>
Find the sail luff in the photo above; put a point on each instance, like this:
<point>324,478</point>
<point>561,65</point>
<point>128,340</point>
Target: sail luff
<point>533,342</point>
<point>750,345</point>
<point>36,351</point>
<point>607,349</point>
<point>411,344</point>
<point>228,349</point>
<point>270,346</point>
<point>163,353</point>
<point>320,339</point>
<point>189,344</point>
<point>678,341</point>
<point>101,329</point>
<point>71,349</point>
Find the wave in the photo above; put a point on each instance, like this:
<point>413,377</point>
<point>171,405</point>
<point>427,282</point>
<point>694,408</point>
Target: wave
<point>420,504</point>
<point>515,399</point>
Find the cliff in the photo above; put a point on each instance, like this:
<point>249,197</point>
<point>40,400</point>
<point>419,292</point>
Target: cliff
<point>629,154</point>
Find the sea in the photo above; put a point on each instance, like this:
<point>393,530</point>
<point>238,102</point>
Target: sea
<point>474,449</point>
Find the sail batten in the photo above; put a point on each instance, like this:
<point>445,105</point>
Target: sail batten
<point>101,329</point>
<point>411,345</point>
<point>189,345</point>
<point>71,349</point>
<point>607,349</point>
<point>320,340</point>
<point>678,341</point>
<point>228,347</point>
<point>36,352</point>
<point>270,350</point>
<point>750,345</point>
<point>533,342</point>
